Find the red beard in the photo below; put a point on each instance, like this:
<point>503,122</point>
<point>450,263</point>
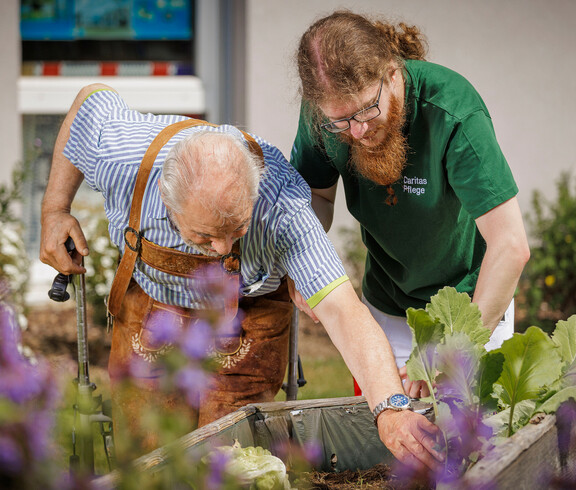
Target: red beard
<point>382,163</point>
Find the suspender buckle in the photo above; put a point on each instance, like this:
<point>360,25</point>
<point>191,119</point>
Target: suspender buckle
<point>138,236</point>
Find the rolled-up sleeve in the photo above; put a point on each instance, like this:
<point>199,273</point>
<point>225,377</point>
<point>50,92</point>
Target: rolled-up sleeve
<point>309,256</point>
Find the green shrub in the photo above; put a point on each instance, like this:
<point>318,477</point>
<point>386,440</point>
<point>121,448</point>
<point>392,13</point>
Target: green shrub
<point>14,262</point>
<point>548,284</point>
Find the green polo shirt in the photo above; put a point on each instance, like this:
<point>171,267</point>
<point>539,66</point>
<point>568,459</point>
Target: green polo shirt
<point>456,172</point>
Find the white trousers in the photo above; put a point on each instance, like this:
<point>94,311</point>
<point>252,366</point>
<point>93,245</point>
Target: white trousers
<point>400,336</point>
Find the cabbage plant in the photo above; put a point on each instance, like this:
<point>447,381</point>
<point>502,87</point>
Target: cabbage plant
<point>254,468</point>
<point>479,395</point>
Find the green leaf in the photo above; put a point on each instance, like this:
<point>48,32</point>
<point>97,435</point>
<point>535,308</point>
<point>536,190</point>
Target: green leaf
<point>564,337</point>
<point>531,362</point>
<point>491,365</point>
<point>552,404</point>
<point>426,334</point>
<point>445,421</point>
<point>457,312</point>
<point>500,422</point>
<point>569,377</point>
<point>459,361</point>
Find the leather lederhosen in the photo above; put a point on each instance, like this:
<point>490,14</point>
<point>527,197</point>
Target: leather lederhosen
<point>251,364</point>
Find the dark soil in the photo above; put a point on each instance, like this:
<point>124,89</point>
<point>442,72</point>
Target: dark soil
<point>52,333</point>
<point>379,476</point>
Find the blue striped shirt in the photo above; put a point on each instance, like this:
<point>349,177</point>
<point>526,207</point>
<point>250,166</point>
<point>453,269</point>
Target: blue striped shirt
<point>107,142</point>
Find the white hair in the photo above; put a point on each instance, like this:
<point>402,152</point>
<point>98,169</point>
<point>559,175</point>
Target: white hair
<point>217,169</point>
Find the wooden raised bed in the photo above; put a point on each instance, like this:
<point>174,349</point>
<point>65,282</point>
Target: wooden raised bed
<point>344,427</point>
<point>525,461</point>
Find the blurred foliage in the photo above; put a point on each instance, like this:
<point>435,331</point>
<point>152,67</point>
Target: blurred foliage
<point>547,288</point>
<point>14,262</point>
<point>35,417</point>
<point>102,261</point>
<point>28,398</point>
<point>353,254</point>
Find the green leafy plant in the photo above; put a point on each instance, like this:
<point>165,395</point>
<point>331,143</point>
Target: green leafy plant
<point>14,263</point>
<point>548,284</point>
<point>251,466</point>
<point>531,373</point>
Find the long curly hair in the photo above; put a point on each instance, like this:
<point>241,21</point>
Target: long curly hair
<point>341,54</point>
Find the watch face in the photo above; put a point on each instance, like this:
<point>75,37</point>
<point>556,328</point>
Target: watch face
<point>399,400</point>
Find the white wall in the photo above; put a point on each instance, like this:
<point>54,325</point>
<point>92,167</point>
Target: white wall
<point>10,133</point>
<point>519,54</point>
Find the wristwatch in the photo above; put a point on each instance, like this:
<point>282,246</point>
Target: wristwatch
<point>397,402</point>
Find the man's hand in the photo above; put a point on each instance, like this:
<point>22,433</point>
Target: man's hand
<point>414,389</point>
<point>299,300</point>
<point>411,438</point>
<point>56,228</point>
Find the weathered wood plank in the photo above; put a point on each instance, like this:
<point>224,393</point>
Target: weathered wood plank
<point>285,406</point>
<point>521,462</point>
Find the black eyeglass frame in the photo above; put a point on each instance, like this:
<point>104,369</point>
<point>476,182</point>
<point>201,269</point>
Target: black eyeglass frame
<point>335,130</point>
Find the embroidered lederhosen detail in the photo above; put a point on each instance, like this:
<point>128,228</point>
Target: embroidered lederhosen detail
<point>229,360</point>
<point>144,348</point>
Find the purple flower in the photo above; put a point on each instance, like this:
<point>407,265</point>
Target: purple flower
<point>565,421</point>
<point>18,383</point>
<point>197,340</point>
<point>29,397</point>
<point>230,327</point>
<point>163,328</point>
<point>217,287</point>
<point>217,469</point>
<point>193,381</point>
<point>140,368</point>
<point>459,376</point>
<point>9,338</point>
<point>467,437</point>
<point>410,476</point>
<point>313,452</point>
<point>38,431</point>
<point>11,457</point>
<point>19,379</point>
<point>301,457</point>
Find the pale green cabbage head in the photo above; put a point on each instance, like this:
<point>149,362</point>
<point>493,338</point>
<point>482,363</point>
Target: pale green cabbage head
<point>254,467</point>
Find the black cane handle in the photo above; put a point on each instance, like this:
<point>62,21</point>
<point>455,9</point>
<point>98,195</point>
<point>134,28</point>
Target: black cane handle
<point>60,284</point>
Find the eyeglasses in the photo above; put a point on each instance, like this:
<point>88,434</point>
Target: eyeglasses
<point>365,115</point>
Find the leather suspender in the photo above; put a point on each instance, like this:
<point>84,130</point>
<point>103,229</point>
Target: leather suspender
<point>132,237</point>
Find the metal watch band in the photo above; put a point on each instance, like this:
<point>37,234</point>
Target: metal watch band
<point>386,405</point>
<point>378,409</point>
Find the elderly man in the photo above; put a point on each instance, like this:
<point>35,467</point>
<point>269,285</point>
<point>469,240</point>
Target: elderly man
<point>214,194</point>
